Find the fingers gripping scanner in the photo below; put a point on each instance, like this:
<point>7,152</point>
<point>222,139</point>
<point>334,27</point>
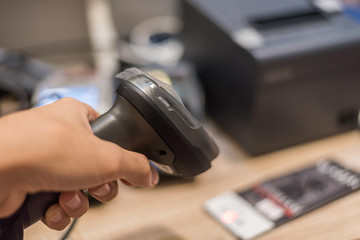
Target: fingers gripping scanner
<point>148,117</point>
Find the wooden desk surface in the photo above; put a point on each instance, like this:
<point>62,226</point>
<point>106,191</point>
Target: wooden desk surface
<point>173,210</point>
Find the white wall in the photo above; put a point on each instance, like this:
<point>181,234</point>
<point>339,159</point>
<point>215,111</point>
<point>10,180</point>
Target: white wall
<point>128,13</point>
<point>57,31</point>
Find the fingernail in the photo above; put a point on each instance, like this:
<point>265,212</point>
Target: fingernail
<point>103,191</point>
<point>57,217</point>
<point>154,176</point>
<point>74,203</point>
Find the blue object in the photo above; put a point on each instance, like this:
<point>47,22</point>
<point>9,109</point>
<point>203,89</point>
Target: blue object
<point>352,10</point>
<point>89,94</point>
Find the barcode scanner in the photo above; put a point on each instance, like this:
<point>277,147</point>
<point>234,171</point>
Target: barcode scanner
<point>148,117</point>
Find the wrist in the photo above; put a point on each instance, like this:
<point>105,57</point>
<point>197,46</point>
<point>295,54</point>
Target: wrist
<point>12,175</point>
<point>12,190</point>
<point>18,156</point>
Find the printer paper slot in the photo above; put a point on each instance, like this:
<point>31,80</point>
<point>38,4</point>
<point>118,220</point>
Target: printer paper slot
<point>288,20</point>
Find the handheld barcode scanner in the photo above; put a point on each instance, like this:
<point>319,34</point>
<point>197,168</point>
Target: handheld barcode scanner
<point>147,117</point>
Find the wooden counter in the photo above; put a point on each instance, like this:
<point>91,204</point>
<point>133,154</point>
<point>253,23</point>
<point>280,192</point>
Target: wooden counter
<point>173,210</point>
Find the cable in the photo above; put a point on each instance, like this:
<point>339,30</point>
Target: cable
<point>55,48</point>
<point>67,233</point>
<point>15,91</point>
<point>19,75</point>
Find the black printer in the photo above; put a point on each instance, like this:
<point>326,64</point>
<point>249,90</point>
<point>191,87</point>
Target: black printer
<point>275,72</point>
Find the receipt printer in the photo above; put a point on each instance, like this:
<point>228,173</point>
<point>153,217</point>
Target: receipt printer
<point>275,72</point>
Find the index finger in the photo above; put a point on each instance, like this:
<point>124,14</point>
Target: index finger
<point>130,166</point>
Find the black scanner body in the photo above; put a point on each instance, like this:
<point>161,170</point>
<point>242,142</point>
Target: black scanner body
<point>148,117</point>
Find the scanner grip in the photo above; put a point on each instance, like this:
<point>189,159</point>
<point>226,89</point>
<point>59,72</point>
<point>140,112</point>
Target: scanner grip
<point>32,210</point>
<point>118,125</point>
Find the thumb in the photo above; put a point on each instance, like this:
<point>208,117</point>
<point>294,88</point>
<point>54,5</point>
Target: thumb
<point>91,113</point>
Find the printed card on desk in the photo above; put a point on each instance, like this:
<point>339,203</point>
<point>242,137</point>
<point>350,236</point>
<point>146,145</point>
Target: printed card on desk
<point>265,206</point>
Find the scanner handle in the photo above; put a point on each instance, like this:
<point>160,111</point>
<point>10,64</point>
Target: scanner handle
<point>32,210</point>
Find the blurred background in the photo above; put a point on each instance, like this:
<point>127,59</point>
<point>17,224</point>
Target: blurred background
<point>58,31</point>
<point>53,49</point>
<point>267,72</point>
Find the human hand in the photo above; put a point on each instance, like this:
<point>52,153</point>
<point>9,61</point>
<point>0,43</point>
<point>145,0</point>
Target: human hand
<point>53,148</point>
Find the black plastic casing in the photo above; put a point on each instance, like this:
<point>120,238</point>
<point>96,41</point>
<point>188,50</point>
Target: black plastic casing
<point>182,143</point>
